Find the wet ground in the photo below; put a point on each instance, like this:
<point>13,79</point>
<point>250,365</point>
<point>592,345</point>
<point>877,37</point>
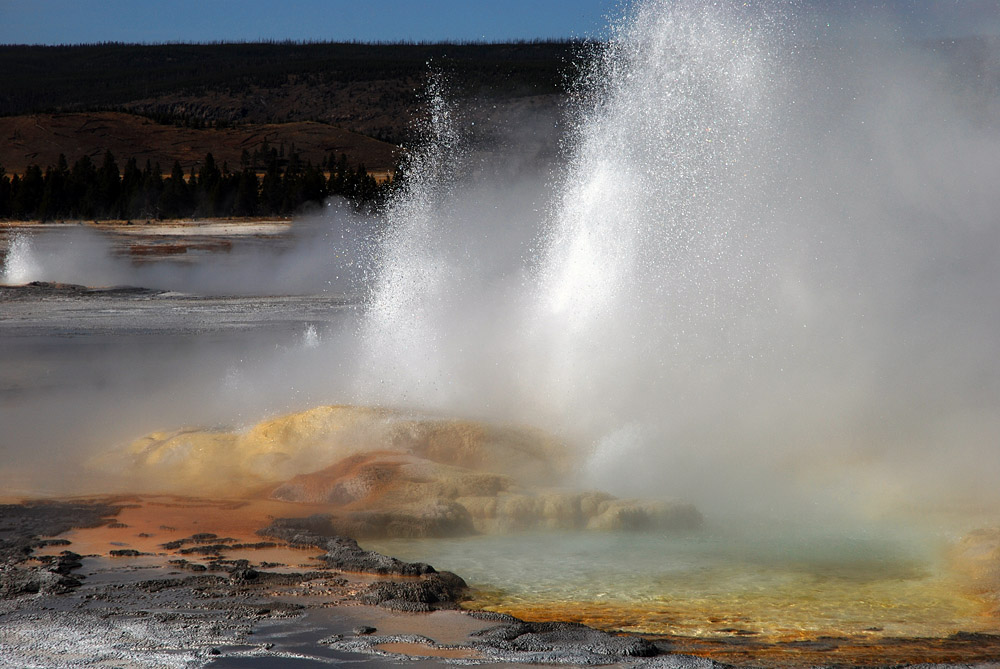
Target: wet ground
<point>105,582</point>
<point>194,602</point>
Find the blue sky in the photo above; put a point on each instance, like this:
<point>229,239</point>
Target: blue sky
<point>77,21</point>
<point>82,21</point>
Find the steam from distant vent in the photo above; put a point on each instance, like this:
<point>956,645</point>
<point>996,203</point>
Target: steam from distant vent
<point>324,252</point>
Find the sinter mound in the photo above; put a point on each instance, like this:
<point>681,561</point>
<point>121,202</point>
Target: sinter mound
<point>386,473</point>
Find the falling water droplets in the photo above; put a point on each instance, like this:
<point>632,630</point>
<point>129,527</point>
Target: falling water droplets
<point>20,265</point>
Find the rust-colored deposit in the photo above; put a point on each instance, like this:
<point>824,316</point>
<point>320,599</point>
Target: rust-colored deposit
<point>162,526</point>
<point>382,473</point>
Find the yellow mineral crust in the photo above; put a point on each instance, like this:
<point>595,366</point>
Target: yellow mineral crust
<point>387,473</point>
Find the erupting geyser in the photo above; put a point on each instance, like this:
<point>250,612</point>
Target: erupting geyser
<point>761,281</point>
<point>766,255</point>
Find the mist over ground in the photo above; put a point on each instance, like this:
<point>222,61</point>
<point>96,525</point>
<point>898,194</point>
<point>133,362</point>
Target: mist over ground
<point>759,274</point>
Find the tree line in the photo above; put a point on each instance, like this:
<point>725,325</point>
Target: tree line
<point>87,191</point>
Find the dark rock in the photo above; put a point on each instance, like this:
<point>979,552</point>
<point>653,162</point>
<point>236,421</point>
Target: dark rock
<point>206,549</point>
<point>290,529</point>
<point>125,552</point>
<point>43,289</point>
<point>364,629</point>
<point>445,519</point>
<point>64,563</point>
<point>17,581</point>
<point>158,585</point>
<point>981,637</point>
<point>406,606</point>
<point>65,584</point>
<point>440,588</point>
<point>217,544</point>
<point>493,616</point>
<point>203,537</point>
<point>24,524</point>
<point>547,637</point>
<point>190,566</point>
<point>342,553</point>
<point>244,574</point>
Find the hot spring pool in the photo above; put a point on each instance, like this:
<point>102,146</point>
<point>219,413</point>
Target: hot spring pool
<point>718,581</point>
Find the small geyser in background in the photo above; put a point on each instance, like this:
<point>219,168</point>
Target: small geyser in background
<point>20,266</point>
<point>310,337</point>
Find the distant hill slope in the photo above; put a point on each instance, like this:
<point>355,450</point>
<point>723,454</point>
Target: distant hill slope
<point>40,138</point>
<point>370,89</point>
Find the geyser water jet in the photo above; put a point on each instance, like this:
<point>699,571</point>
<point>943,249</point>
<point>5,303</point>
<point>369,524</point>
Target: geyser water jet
<point>740,284</point>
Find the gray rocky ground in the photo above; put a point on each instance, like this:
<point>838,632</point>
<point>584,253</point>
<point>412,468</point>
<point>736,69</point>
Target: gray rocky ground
<point>353,607</point>
<point>136,611</point>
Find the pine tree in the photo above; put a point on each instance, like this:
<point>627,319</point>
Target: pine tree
<point>28,194</point>
<point>175,200</point>
<point>271,192</point>
<point>207,190</point>
<point>82,187</point>
<point>313,184</point>
<point>129,204</point>
<point>5,210</point>
<point>108,186</point>
<point>150,190</point>
<point>56,195</point>
<point>246,193</point>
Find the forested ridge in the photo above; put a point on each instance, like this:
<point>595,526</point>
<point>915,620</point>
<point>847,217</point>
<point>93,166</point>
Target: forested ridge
<point>230,99</point>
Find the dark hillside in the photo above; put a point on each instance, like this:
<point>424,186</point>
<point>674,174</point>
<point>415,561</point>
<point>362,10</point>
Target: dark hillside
<point>373,89</point>
<point>38,139</point>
